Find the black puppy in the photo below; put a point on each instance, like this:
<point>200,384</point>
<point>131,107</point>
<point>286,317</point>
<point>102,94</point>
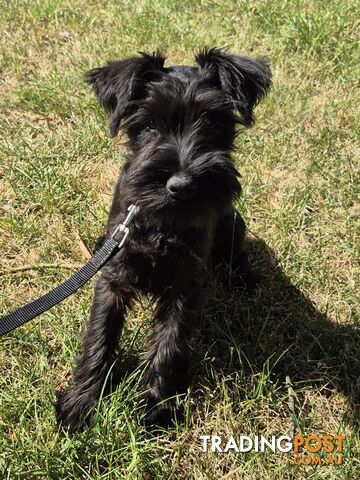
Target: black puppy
<point>181,124</point>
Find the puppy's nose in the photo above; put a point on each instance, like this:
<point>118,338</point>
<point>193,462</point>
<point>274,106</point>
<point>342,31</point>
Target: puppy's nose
<point>181,187</point>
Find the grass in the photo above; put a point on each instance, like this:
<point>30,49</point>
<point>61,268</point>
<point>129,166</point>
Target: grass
<point>299,164</point>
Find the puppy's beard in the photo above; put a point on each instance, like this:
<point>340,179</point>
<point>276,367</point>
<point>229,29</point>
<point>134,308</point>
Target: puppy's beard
<point>176,220</point>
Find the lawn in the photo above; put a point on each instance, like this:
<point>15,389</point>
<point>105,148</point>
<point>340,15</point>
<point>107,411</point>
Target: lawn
<point>299,167</point>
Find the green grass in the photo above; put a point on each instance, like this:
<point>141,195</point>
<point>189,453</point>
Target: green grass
<point>300,166</point>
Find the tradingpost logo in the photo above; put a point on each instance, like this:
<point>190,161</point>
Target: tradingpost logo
<point>306,450</point>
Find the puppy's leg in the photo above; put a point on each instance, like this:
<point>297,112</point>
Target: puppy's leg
<point>100,339</point>
<point>167,357</point>
<point>229,248</point>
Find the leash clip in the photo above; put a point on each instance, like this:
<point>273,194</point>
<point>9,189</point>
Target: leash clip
<point>123,227</point>
<point>71,285</point>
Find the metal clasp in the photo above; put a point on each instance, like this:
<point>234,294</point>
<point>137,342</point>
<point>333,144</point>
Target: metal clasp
<point>123,227</point>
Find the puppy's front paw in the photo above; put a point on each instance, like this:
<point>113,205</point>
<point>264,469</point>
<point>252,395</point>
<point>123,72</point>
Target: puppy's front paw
<point>160,412</point>
<point>162,415</point>
<point>72,412</point>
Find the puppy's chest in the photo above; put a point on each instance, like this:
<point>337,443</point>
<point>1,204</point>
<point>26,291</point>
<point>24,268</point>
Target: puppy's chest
<point>154,259</point>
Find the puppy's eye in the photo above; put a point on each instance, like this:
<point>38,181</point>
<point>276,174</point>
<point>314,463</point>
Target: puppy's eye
<point>151,127</point>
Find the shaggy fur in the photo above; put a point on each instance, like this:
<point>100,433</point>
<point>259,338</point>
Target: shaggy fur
<point>181,124</point>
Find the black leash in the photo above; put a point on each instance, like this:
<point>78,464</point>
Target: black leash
<point>72,284</point>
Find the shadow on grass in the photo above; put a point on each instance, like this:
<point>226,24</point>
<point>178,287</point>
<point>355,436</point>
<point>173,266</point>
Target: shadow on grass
<point>278,322</point>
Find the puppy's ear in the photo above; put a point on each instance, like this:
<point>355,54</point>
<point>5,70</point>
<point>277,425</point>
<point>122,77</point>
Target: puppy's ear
<point>119,83</point>
<point>244,80</point>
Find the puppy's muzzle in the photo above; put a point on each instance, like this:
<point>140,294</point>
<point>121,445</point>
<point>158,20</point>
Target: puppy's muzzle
<point>181,187</point>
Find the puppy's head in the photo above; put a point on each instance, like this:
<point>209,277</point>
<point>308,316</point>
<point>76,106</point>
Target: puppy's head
<point>181,124</point>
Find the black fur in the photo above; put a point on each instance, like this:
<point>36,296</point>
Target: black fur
<point>181,124</point>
